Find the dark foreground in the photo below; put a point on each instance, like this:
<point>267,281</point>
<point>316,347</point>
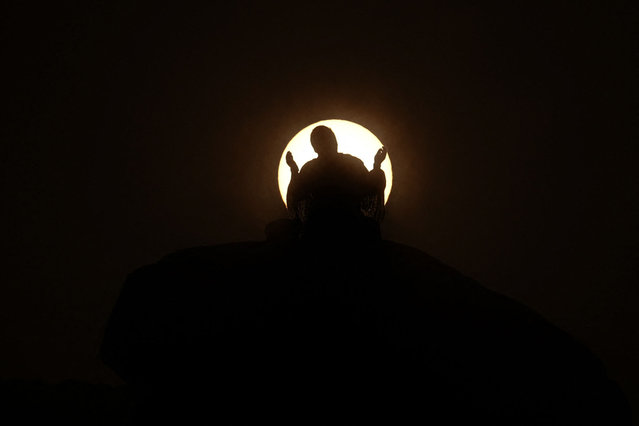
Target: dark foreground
<point>28,402</point>
<point>342,333</point>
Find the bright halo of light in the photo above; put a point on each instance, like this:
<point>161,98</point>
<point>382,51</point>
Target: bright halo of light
<point>352,139</point>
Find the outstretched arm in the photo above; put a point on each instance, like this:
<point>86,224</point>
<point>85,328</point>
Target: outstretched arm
<point>377,181</point>
<point>292,164</point>
<point>379,158</point>
<point>292,196</point>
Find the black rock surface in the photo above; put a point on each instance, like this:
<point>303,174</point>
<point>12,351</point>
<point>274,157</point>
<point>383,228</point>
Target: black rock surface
<point>343,332</point>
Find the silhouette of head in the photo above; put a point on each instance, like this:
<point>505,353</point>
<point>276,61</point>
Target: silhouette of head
<point>324,141</point>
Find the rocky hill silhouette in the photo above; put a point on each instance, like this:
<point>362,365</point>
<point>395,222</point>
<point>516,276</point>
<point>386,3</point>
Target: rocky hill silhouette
<point>70,402</point>
<point>330,330</point>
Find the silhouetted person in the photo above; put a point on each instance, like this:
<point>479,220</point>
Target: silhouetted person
<point>335,188</point>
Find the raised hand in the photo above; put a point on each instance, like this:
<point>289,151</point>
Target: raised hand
<point>291,163</point>
<point>380,157</point>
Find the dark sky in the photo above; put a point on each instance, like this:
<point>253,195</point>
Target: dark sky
<point>134,130</point>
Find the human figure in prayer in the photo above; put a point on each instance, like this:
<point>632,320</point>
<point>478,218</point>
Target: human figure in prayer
<point>335,185</point>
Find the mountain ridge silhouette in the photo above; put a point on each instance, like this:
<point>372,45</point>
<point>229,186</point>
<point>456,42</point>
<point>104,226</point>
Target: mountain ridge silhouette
<point>352,331</point>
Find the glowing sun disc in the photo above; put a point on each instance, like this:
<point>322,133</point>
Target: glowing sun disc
<point>352,139</point>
